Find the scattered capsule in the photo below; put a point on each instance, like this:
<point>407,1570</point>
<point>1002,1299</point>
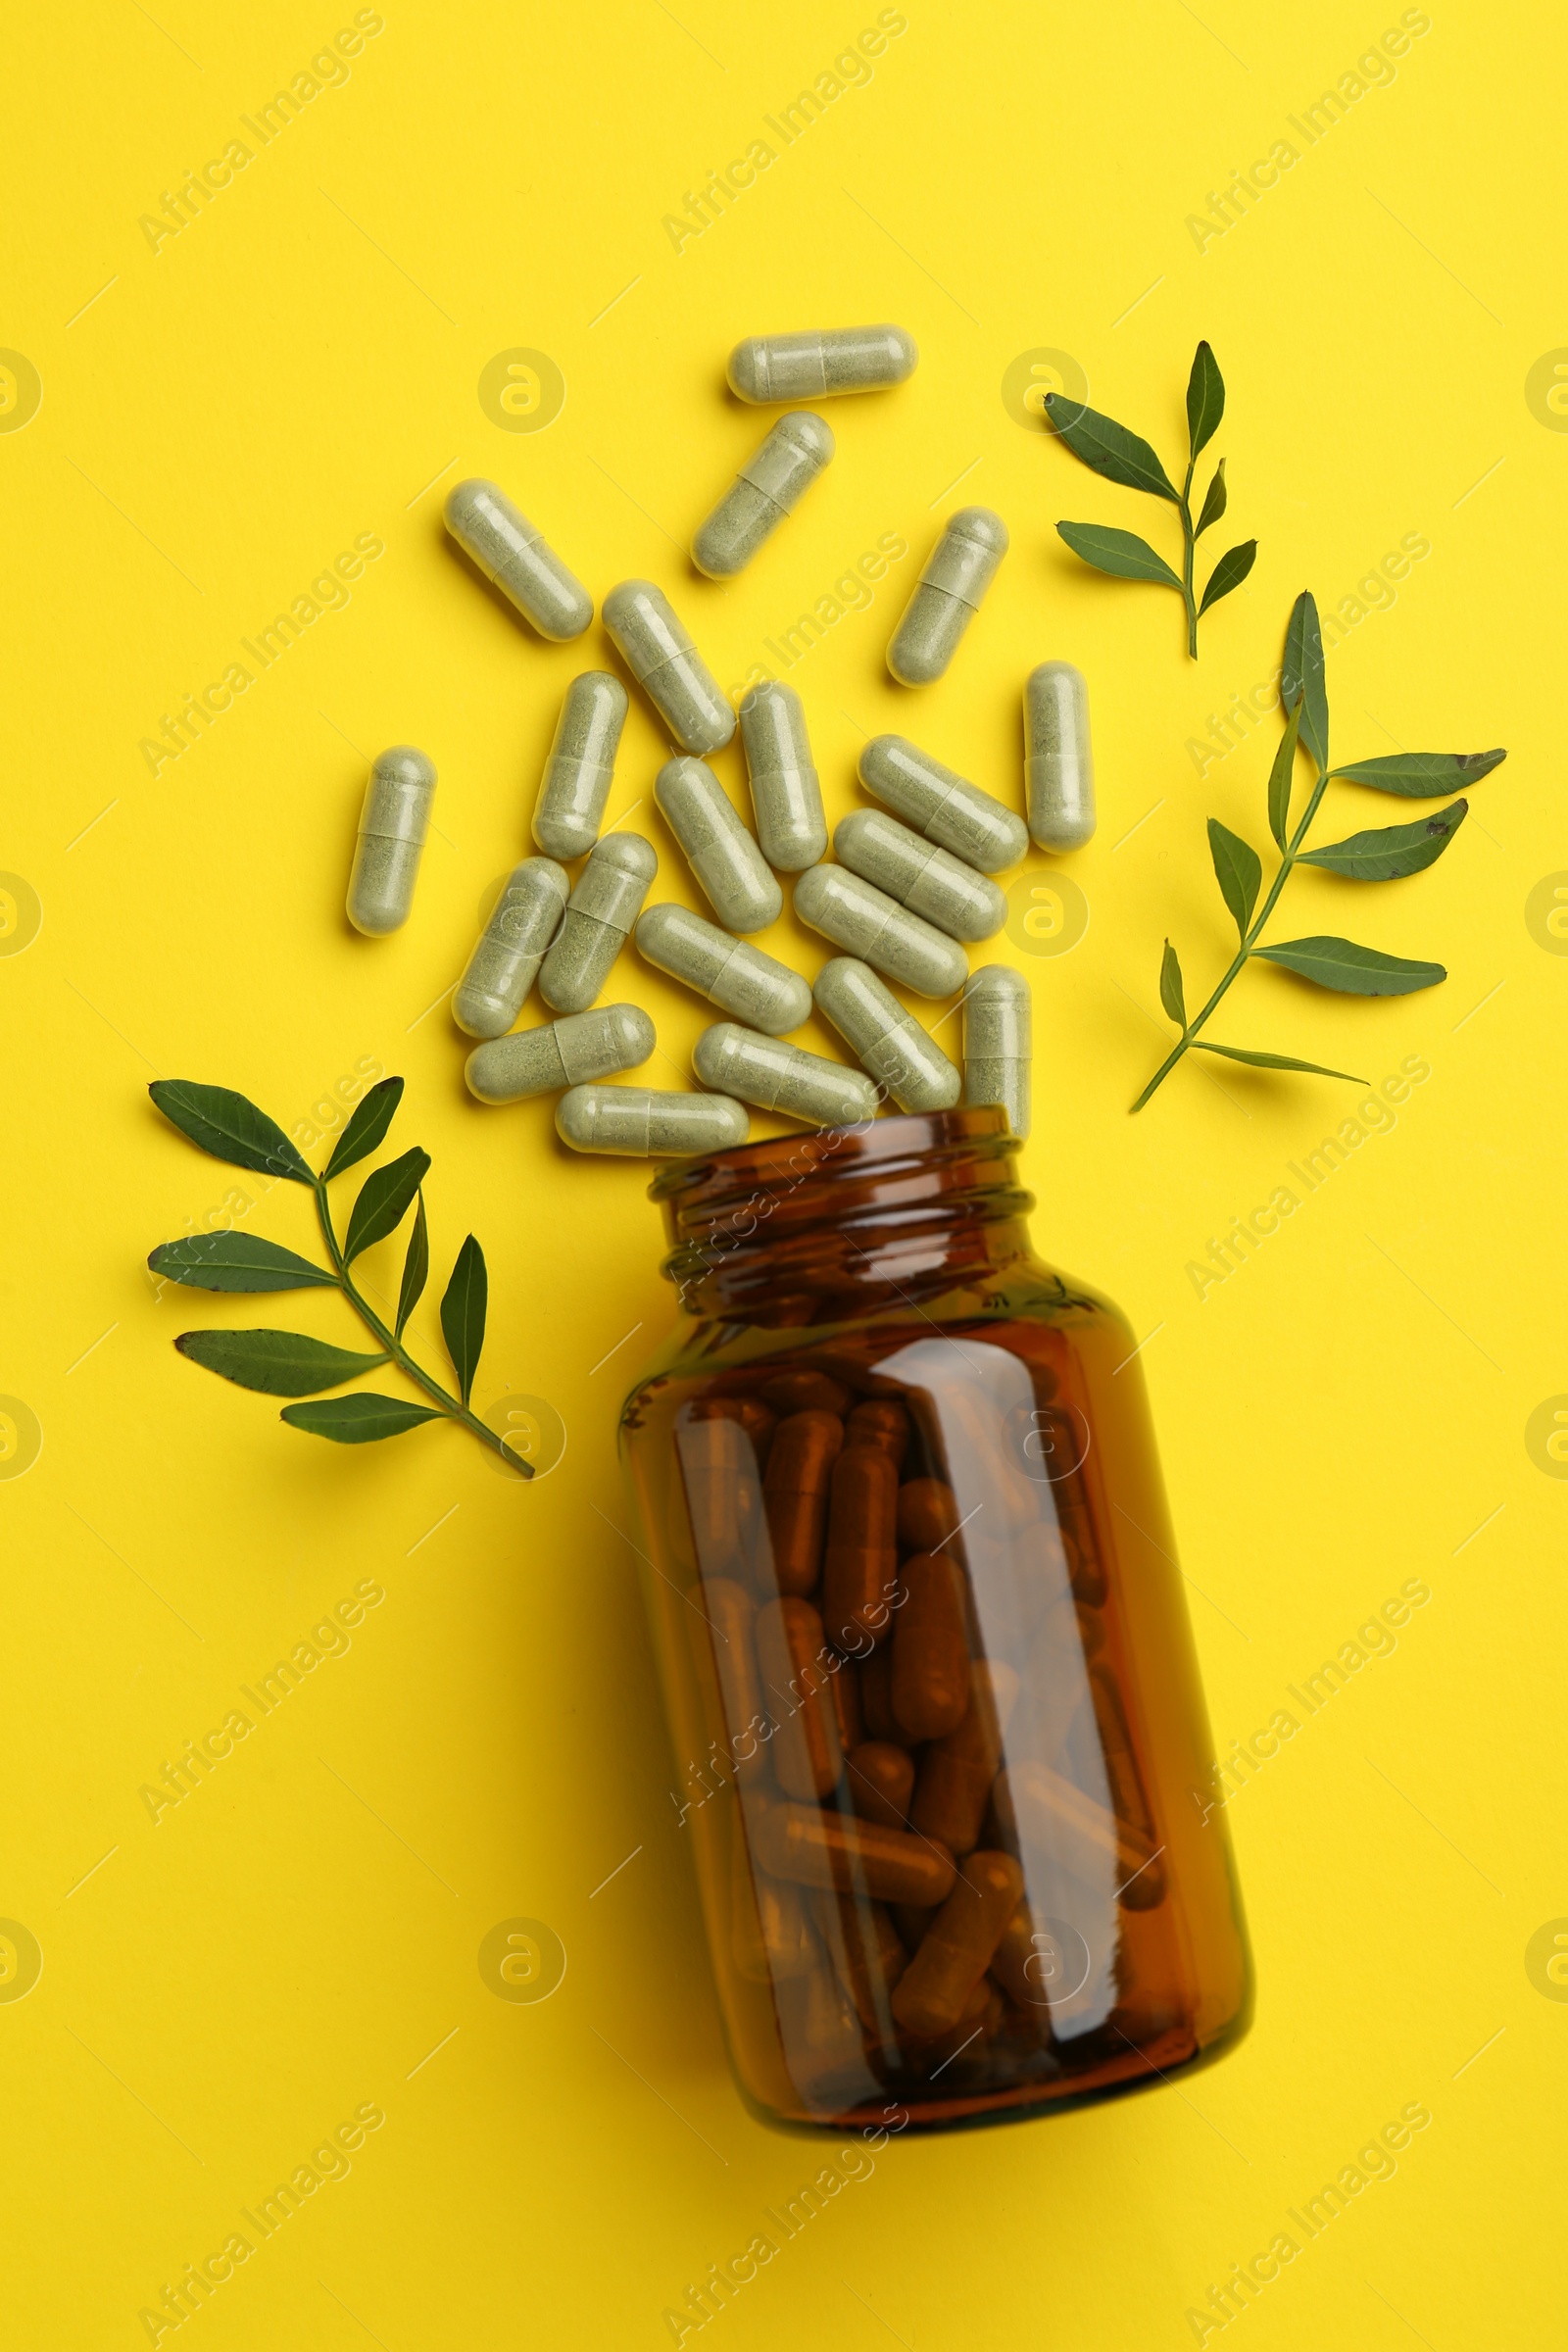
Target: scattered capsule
<point>920,876</point>
<point>811,1847</point>
<point>819,362</point>
<point>935,1990</point>
<point>880,1421</point>
<point>563,1053</point>
<point>962,567</point>
<point>953,1785</point>
<point>881,1780</point>
<point>1058,765</point>
<point>763,1070</point>
<point>856,916</point>
<point>860,1565</point>
<point>729,972</point>
<point>598,916</point>
<point>722,853</point>
<point>575,784</point>
<point>997,1043</point>
<point>786,796</point>
<point>876,1698</point>
<point>647,1124</point>
<point>795,1492</point>
<point>884,1039</point>
<point>805,1753</point>
<point>804,1390</point>
<point>769,485</point>
<point>930,1687</point>
<point>394,819</point>
<point>942,807</point>
<point>731,1616</point>
<point>666,666</point>
<point>509,551</point>
<point>493,990</point>
<point>928,1513</point>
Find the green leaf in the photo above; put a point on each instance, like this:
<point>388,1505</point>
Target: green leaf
<point>357,1420</point>
<point>1238,870</point>
<point>1422,775</point>
<point>1215,502</point>
<point>1205,399</point>
<point>1391,852</point>
<point>416,1268</point>
<point>1228,573</point>
<point>282,1363</point>
<point>1170,987</point>
<point>236,1261</point>
<point>1108,448</point>
<point>229,1127</point>
<point>1281,775</point>
<point>364,1132</point>
<point>463,1313</point>
<point>1275,1062</point>
<point>1352,970</point>
<point>1302,679</point>
<point>383,1201</point>
<point>1122,553</point>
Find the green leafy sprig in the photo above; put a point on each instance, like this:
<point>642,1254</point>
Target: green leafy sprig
<point>1382,856</point>
<point>1109,449</point>
<point>288,1363</point>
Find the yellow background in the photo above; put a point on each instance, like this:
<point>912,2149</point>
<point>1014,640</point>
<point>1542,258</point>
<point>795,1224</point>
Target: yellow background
<point>299,367</point>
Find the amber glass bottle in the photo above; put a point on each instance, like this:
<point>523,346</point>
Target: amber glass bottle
<point>940,1741</point>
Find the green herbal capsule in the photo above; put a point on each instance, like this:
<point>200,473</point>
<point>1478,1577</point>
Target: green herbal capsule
<point>856,916</point>
<point>668,667</point>
<point>394,819</point>
<point>728,972</point>
<point>779,1077</point>
<point>492,991</point>
<point>946,808</point>
<point>600,913</point>
<point>724,854</point>
<point>920,876</point>
<point>786,796</point>
<point>962,565</point>
<point>998,1043</point>
<point>646,1124</point>
<point>1058,766</point>
<point>769,485</point>
<point>581,765</point>
<point>564,1052</point>
<point>886,1040</point>
<point>823,362</point>
<point>509,551</point>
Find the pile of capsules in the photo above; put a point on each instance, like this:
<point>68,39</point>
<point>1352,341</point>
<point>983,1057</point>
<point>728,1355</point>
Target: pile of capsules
<point>909,890</point>
<point>911,1763</point>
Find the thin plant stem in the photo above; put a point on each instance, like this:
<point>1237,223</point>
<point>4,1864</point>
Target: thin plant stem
<point>397,1354</point>
<point>1287,859</point>
<point>1189,548</point>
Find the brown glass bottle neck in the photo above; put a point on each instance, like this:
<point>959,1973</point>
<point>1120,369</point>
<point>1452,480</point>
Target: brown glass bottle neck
<point>846,1220</point>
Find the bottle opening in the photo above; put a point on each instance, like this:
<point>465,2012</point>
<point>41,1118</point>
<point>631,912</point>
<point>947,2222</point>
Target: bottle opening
<point>776,1229</point>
